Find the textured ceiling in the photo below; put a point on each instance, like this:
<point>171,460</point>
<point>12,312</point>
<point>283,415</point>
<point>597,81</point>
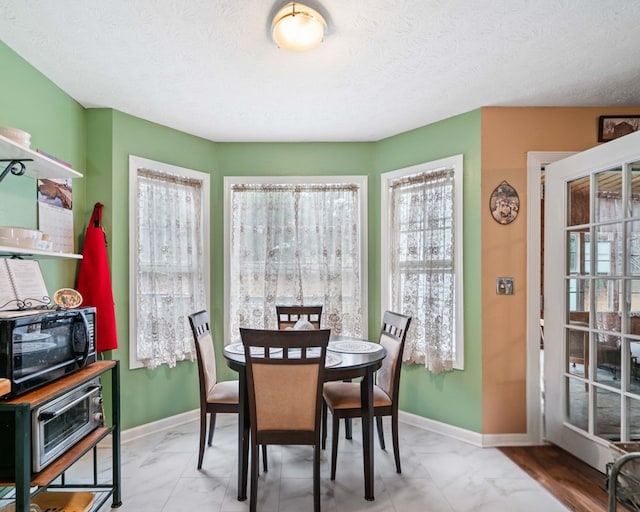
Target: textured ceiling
<point>209,68</point>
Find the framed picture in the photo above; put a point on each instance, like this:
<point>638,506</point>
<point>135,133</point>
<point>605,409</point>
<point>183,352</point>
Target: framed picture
<point>504,204</point>
<point>612,127</point>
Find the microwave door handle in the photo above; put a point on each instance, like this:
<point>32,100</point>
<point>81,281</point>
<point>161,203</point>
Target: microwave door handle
<point>48,415</point>
<point>85,353</point>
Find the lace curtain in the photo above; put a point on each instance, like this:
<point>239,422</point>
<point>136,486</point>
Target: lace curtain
<point>295,244</point>
<point>422,265</point>
<point>170,280</point>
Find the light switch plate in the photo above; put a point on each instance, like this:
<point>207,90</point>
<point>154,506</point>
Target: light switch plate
<point>504,285</point>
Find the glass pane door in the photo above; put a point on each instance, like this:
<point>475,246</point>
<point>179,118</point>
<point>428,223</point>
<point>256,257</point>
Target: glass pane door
<point>592,302</point>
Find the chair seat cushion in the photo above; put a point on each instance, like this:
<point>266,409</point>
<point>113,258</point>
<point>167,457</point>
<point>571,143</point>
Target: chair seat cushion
<point>346,395</point>
<point>223,393</point>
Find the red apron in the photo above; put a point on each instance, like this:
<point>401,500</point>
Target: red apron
<point>94,282</point>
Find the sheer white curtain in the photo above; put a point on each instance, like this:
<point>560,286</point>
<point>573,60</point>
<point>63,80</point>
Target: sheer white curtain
<point>170,278</point>
<point>295,244</point>
<point>422,265</point>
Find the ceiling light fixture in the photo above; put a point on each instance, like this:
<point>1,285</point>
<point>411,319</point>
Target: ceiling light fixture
<point>297,27</point>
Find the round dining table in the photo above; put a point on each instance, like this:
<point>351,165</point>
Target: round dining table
<point>347,358</point>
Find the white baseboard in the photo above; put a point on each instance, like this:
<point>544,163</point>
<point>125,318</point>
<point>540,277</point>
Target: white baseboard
<point>155,426</point>
<point>160,425</point>
<point>441,428</point>
<point>461,434</point>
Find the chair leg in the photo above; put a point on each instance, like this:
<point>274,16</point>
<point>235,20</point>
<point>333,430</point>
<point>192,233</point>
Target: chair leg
<point>203,433</point>
<point>212,427</point>
<point>253,497</point>
<point>264,458</point>
<point>324,424</point>
<point>380,431</point>
<point>396,444</point>
<point>348,431</point>
<point>334,444</point>
<point>316,478</point>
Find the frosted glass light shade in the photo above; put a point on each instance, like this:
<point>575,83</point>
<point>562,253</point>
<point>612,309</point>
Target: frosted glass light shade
<point>297,27</point>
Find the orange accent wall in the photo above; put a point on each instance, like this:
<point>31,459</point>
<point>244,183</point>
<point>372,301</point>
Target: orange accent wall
<point>507,135</point>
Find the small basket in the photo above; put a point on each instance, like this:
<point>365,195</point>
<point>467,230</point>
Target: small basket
<point>49,501</point>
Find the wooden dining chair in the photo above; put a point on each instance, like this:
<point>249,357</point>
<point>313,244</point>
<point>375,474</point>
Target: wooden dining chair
<point>285,371</point>
<point>343,398</point>
<point>215,396</point>
<point>288,316</point>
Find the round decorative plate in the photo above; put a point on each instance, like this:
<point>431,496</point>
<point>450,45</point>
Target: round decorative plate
<point>353,347</point>
<point>332,360</point>
<point>67,298</point>
<point>238,348</point>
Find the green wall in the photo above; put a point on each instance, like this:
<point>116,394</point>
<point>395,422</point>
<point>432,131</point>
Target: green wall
<point>57,125</point>
<point>98,142</point>
<point>147,395</point>
<point>451,397</point>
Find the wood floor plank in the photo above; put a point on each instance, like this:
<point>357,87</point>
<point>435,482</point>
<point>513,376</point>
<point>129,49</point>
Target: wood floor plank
<point>578,486</point>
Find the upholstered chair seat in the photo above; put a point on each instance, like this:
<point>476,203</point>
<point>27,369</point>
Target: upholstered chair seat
<point>343,398</point>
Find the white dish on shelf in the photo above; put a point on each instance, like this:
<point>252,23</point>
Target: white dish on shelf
<point>20,237</point>
<point>16,135</point>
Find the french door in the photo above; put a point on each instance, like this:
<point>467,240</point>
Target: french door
<point>592,300</point>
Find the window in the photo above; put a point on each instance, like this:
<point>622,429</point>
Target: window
<point>169,259</point>
<point>295,241</point>
<point>422,259</point>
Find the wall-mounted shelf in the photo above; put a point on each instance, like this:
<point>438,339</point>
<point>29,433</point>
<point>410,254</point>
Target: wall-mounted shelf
<point>19,251</point>
<point>24,161</point>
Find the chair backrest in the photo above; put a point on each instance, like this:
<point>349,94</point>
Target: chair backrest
<point>288,316</point>
<point>285,372</point>
<point>204,352</point>
<point>392,336</point>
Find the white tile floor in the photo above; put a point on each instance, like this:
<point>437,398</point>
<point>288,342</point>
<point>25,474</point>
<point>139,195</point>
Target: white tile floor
<point>439,475</point>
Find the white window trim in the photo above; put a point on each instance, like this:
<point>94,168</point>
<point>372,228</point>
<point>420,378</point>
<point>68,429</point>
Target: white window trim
<point>360,181</point>
<point>455,162</point>
<point>135,163</point>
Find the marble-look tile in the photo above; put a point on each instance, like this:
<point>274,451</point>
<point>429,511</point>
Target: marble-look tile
<point>416,495</point>
<point>439,474</point>
<point>474,492</point>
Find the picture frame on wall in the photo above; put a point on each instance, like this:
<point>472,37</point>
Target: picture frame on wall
<point>612,127</point>
<point>504,204</point>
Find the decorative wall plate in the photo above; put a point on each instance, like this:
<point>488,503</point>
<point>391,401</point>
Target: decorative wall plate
<point>67,298</point>
<point>504,203</point>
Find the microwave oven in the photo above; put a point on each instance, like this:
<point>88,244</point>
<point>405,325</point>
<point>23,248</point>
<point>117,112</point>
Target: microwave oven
<point>40,346</point>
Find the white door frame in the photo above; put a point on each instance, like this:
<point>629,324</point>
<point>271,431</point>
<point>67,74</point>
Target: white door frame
<point>535,161</point>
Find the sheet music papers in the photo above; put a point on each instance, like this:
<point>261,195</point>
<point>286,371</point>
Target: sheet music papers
<point>21,285</point>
